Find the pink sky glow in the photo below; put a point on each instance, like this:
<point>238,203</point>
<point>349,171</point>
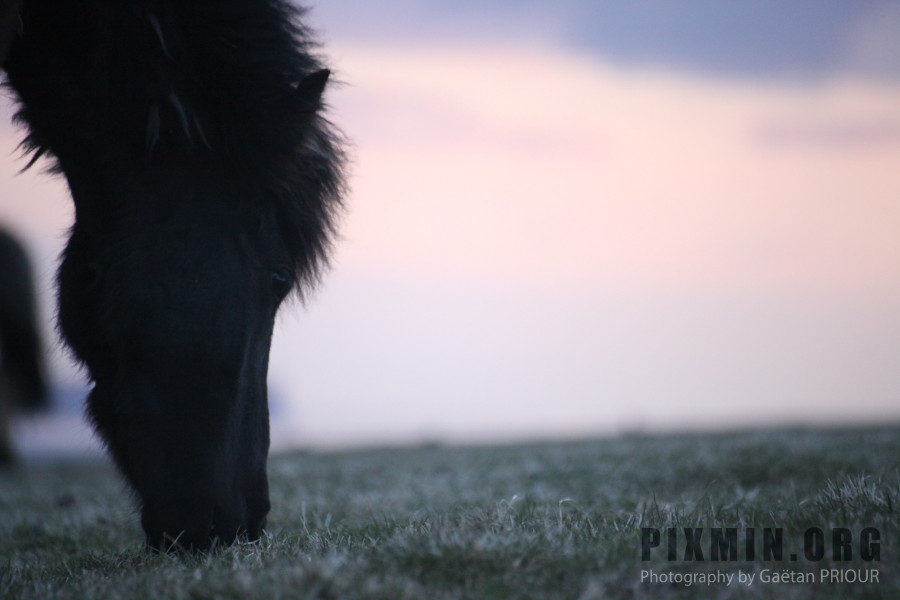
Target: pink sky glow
<point>540,244</point>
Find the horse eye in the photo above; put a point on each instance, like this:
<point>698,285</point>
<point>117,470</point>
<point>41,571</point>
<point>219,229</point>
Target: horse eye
<point>281,281</point>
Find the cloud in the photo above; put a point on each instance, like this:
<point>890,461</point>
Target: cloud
<point>760,40</point>
<point>871,44</point>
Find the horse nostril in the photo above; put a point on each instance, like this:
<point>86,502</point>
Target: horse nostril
<point>282,282</point>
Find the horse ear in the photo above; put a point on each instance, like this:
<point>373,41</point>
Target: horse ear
<point>309,90</point>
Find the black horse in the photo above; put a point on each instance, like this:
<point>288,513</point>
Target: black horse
<point>22,382</point>
<point>206,184</point>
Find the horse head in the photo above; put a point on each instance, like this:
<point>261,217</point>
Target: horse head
<point>205,182</point>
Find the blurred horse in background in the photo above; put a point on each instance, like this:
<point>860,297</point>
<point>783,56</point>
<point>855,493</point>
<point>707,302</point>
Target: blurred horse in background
<point>22,383</point>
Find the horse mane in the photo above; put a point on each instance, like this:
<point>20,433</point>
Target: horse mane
<point>225,86</point>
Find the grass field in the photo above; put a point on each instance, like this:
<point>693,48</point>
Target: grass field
<point>535,521</point>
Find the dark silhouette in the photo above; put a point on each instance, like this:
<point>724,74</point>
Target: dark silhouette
<point>22,383</point>
<point>205,183</point>
<point>9,24</point>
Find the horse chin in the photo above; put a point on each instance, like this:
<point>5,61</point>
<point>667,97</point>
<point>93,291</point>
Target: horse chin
<point>198,466</point>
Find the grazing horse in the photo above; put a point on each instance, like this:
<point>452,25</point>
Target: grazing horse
<point>206,183</point>
<point>22,383</point>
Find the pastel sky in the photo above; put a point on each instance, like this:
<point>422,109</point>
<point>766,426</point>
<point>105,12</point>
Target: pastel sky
<point>577,218</point>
